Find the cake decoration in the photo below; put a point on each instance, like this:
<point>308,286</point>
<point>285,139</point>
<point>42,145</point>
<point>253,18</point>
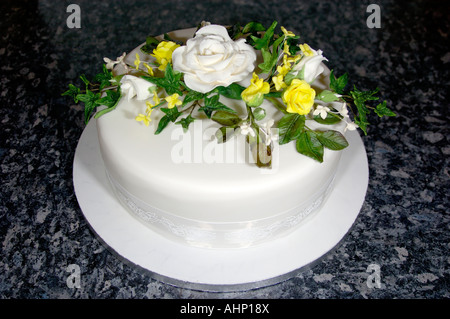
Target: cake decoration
<point>250,63</point>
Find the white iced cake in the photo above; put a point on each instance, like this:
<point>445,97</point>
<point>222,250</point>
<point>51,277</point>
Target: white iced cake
<point>188,187</point>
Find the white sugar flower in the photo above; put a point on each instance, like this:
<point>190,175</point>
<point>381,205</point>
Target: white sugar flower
<point>247,129</point>
<point>134,86</point>
<point>110,63</point>
<point>311,64</point>
<point>322,110</point>
<point>267,129</point>
<point>213,59</point>
<point>351,126</point>
<point>344,110</point>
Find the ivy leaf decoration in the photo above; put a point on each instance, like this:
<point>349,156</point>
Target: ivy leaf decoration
<point>270,60</point>
<point>185,122</point>
<point>90,103</point>
<point>382,110</point>
<point>263,42</point>
<point>360,98</point>
<point>170,82</point>
<point>253,27</point>
<point>111,100</point>
<point>85,81</point>
<point>192,96</point>
<point>212,104</point>
<point>73,92</point>
<point>338,84</point>
<point>171,116</point>
<point>104,78</point>
<point>151,43</point>
<point>234,31</point>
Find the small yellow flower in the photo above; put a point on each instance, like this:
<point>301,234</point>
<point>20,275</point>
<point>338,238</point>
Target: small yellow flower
<point>149,69</point>
<point>306,49</point>
<point>279,82</point>
<point>286,48</point>
<point>284,69</point>
<point>299,97</point>
<point>254,94</point>
<point>144,118</point>
<point>163,53</point>
<point>156,99</point>
<point>137,62</point>
<point>149,108</point>
<point>292,59</point>
<point>287,33</point>
<point>173,100</point>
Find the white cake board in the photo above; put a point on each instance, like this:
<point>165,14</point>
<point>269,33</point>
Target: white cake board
<point>217,269</point>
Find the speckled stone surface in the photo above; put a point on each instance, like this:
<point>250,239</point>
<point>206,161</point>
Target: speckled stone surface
<point>404,223</point>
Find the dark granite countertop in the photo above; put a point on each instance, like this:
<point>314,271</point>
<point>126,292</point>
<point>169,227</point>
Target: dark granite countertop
<point>404,223</point>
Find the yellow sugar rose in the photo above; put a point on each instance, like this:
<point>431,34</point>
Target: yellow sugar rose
<point>299,97</point>
<point>254,94</point>
<point>163,53</point>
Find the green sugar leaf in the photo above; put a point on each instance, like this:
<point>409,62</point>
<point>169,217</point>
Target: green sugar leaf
<point>360,98</point>
<point>332,140</point>
<point>90,103</point>
<point>253,27</point>
<point>212,104</point>
<point>151,43</point>
<point>171,82</point>
<point>338,84</point>
<point>163,122</point>
<point>270,60</point>
<point>192,96</point>
<point>73,92</point>
<point>327,96</point>
<point>382,110</point>
<point>260,43</point>
<point>185,122</point>
<point>290,127</point>
<point>171,116</point>
<point>111,98</point>
<point>309,145</point>
<point>172,113</point>
<point>331,119</point>
<point>104,78</point>
<point>226,118</point>
<point>233,91</point>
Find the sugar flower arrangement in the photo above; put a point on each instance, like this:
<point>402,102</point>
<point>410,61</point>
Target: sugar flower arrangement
<point>222,62</point>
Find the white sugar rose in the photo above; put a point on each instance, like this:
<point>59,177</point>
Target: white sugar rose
<point>312,65</point>
<point>212,59</point>
<point>133,86</point>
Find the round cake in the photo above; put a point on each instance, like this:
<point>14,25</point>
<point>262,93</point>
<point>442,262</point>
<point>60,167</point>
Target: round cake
<point>188,187</point>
